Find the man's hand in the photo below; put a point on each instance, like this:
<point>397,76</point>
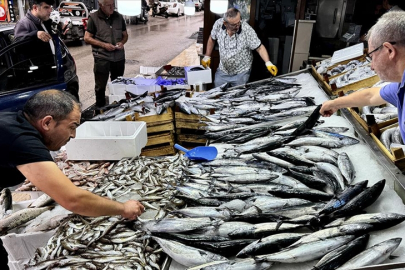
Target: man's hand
<point>119,46</point>
<point>109,47</point>
<point>206,61</point>
<point>328,108</point>
<point>271,68</point>
<point>132,210</point>
<point>44,36</point>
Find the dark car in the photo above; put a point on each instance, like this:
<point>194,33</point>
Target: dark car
<point>24,71</point>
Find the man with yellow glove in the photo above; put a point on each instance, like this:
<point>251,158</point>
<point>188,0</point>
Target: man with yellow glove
<point>236,40</point>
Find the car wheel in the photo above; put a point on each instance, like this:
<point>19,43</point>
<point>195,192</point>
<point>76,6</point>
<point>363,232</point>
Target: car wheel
<point>166,15</point>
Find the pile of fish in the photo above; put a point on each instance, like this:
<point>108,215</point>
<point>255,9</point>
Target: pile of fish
<point>346,67</point>
<point>273,195</point>
<point>391,138</point>
<point>111,242</point>
<point>10,220</point>
<point>380,114</point>
<point>143,104</point>
<point>84,174</point>
<point>352,76</point>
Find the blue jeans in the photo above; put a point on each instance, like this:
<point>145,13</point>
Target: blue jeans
<point>233,80</point>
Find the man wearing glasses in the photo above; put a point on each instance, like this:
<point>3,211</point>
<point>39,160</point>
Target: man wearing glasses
<point>386,43</point>
<point>236,40</point>
<point>107,33</point>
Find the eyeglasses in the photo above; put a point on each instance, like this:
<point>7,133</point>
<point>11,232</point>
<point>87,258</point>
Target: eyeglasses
<point>368,55</point>
<point>233,25</point>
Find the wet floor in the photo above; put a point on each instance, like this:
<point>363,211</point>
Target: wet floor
<point>153,45</point>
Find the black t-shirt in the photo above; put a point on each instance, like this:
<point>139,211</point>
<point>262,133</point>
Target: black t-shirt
<point>20,143</point>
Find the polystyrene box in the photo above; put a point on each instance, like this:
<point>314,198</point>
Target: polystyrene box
<point>198,76</point>
<point>116,88</point>
<point>111,140</point>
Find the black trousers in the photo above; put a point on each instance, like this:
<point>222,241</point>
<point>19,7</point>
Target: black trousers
<point>102,70</point>
<point>3,257</point>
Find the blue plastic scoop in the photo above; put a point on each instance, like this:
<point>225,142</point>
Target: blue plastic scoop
<point>204,153</point>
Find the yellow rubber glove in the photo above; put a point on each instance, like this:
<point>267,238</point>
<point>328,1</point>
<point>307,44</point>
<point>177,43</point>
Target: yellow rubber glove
<point>206,61</point>
<point>271,68</point>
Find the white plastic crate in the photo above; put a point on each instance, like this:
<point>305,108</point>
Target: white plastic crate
<point>112,140</point>
<point>116,88</point>
<point>199,76</point>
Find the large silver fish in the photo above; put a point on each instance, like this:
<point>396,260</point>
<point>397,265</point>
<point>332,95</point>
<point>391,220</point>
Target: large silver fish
<point>307,251</point>
<point>373,255</point>
<point>186,255</point>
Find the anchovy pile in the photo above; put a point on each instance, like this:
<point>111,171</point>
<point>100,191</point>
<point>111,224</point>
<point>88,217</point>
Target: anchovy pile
<point>111,242</point>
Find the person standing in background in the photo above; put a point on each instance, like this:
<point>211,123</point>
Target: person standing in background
<point>106,33</point>
<point>236,40</point>
<point>391,5</point>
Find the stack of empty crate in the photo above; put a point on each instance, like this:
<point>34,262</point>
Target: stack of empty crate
<point>190,129</point>
<point>160,129</point>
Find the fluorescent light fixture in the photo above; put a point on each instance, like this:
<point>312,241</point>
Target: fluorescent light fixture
<point>129,7</point>
<point>189,8</point>
<point>219,6</point>
<point>33,67</point>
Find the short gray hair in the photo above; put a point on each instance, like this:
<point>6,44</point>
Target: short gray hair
<point>59,104</point>
<point>231,13</point>
<point>390,27</point>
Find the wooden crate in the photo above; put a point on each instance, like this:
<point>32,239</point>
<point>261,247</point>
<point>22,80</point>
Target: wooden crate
<point>370,124</point>
<point>333,91</point>
<point>189,128</point>
<point>397,156</point>
<point>158,151</point>
<point>155,120</point>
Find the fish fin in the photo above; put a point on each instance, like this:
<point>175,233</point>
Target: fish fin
<point>392,257</point>
<point>279,223</point>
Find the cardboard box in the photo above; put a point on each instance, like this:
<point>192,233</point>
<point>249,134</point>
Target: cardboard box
<point>199,76</point>
<point>112,140</point>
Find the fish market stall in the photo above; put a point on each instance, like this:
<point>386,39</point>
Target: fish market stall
<point>248,193</point>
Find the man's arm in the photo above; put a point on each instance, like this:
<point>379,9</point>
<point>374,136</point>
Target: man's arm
<point>89,39</point>
<point>263,53</point>
<point>366,97</point>
<point>210,46</point>
<point>23,30</point>
<point>120,45</point>
<point>49,178</point>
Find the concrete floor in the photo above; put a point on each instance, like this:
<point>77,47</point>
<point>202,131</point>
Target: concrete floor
<point>153,45</point>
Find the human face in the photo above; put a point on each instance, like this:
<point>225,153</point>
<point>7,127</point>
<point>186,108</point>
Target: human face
<point>42,11</point>
<point>380,60</point>
<point>233,24</point>
<point>108,7</point>
<point>60,132</point>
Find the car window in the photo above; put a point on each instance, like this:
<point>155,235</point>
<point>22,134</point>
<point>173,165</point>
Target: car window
<point>21,68</point>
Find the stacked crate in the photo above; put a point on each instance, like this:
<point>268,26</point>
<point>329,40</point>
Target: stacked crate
<point>190,129</point>
<point>160,130</point>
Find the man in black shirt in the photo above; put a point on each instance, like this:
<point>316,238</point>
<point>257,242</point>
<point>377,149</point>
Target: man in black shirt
<point>48,121</point>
